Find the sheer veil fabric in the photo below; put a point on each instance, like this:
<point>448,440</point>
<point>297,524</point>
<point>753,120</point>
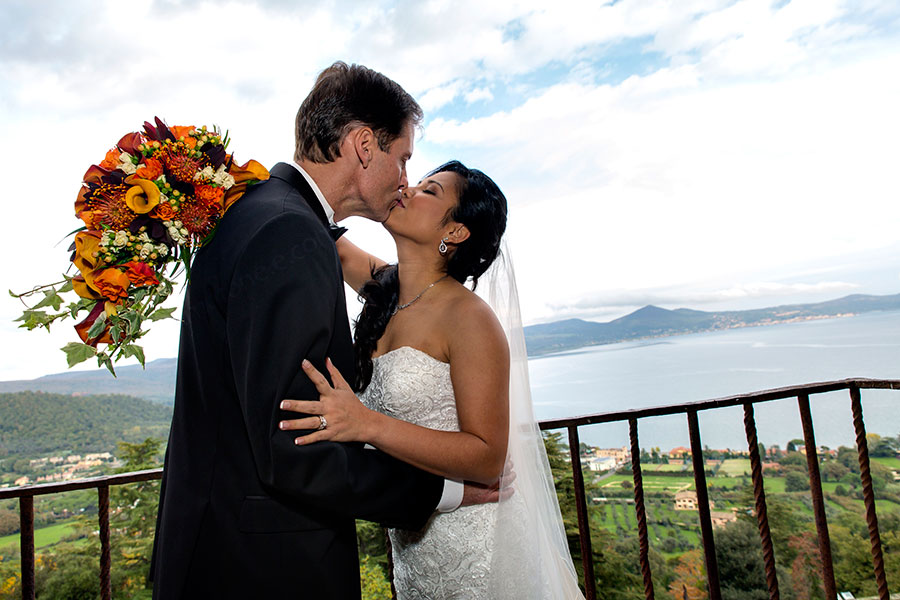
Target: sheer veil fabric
<point>530,558</point>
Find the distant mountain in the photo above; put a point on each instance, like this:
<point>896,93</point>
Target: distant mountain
<point>35,423</point>
<point>157,382</point>
<point>652,321</point>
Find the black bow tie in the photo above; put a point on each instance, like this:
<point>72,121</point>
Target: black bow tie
<point>336,231</point>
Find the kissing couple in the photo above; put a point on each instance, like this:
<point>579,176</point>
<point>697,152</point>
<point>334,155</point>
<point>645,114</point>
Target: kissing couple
<point>272,455</point>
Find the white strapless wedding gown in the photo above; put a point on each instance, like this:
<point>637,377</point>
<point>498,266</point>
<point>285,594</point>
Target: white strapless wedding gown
<point>450,558</point>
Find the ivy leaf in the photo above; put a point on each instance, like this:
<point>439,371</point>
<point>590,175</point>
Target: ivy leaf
<point>104,360</point>
<point>77,352</point>
<point>66,287</point>
<point>134,320</point>
<point>162,313</point>
<point>135,351</point>
<point>34,318</point>
<point>98,327</point>
<point>51,298</point>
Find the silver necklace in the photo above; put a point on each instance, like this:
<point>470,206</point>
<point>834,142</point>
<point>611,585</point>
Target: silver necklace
<point>400,307</point>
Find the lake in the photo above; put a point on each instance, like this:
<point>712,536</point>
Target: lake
<point>703,366</point>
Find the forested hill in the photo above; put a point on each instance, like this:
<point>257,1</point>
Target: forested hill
<point>156,382</point>
<point>36,423</point>
<point>652,321</point>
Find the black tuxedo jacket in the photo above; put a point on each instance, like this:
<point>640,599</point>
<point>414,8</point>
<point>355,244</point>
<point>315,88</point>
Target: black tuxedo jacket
<point>244,512</point>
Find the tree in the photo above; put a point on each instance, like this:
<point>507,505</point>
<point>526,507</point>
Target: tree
<point>795,482</point>
<point>741,569</point>
<point>689,576</point>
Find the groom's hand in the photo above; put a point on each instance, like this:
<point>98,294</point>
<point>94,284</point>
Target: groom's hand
<point>476,493</point>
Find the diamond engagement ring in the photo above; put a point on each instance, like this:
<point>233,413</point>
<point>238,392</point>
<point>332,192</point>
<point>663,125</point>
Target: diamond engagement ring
<point>322,423</point>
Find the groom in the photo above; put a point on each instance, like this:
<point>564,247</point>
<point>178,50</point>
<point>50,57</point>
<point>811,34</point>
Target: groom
<point>244,512</point>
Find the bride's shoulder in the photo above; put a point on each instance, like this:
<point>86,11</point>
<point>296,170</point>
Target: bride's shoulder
<point>472,319</point>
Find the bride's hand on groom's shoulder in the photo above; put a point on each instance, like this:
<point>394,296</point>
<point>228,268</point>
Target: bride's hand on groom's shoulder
<point>337,415</point>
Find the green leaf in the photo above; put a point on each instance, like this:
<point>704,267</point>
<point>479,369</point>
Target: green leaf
<point>98,327</point>
<point>51,298</point>
<point>32,319</point>
<point>66,287</point>
<point>135,351</point>
<point>134,320</point>
<point>162,313</point>
<point>13,294</point>
<point>104,360</point>
<point>140,294</point>
<point>115,332</point>
<point>77,352</point>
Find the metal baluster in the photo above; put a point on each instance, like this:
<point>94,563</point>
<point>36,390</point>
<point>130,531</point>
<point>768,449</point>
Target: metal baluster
<point>103,514</point>
<point>815,487</point>
<point>759,494</point>
<point>640,510</point>
<point>584,528</point>
<point>709,544</point>
<point>865,475</point>
<point>26,541</point>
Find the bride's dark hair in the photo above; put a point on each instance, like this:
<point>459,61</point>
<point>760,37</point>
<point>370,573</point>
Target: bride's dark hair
<point>482,209</point>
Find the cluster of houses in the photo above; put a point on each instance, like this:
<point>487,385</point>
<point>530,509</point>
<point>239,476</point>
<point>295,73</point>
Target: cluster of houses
<point>64,468</point>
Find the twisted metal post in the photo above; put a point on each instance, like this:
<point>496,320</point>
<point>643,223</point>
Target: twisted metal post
<point>865,475</point>
<point>759,494</point>
<point>640,509</point>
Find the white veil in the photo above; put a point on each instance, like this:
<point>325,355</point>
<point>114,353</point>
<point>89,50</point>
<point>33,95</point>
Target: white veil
<point>531,557</point>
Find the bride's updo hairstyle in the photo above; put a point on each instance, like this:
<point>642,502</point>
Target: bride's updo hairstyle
<point>482,209</point>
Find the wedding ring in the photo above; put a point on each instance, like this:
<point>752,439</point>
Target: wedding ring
<point>322,423</point>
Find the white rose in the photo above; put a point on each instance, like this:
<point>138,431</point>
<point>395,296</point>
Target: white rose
<point>126,165</point>
<point>121,238</point>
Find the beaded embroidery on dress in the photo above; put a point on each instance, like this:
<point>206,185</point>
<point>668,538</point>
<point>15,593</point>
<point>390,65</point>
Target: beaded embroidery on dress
<point>450,558</point>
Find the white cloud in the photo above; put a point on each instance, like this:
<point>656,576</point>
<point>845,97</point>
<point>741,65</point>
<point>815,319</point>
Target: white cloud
<point>753,136</point>
<point>481,93</point>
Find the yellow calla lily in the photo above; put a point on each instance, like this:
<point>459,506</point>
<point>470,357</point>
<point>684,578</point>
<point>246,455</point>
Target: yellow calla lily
<point>142,196</point>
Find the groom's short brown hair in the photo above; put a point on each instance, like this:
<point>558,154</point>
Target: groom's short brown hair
<point>345,97</point>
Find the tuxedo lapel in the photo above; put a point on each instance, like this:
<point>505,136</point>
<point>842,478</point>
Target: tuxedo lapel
<point>292,176</point>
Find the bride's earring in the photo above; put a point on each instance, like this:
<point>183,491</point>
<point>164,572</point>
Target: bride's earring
<point>443,247</point>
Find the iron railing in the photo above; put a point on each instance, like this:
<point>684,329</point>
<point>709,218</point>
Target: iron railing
<point>26,494</point>
<point>802,393</point>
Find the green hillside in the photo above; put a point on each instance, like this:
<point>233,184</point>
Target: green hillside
<point>37,423</point>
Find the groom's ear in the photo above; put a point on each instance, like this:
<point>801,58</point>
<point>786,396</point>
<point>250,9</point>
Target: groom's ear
<point>363,142</point>
<point>458,234</point>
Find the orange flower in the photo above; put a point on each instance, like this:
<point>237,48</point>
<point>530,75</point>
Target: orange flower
<point>209,195</point>
<point>149,169</point>
<point>142,196</point>
<point>87,245</point>
<point>84,289</point>
<point>113,284</point>
<point>163,212</point>
<point>140,274</point>
<point>112,159</point>
<point>182,131</point>
<point>250,172</point>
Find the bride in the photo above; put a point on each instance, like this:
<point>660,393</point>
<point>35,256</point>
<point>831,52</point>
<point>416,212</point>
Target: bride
<point>444,386</point>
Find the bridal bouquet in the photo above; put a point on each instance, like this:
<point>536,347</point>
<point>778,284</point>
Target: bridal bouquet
<point>147,208</point>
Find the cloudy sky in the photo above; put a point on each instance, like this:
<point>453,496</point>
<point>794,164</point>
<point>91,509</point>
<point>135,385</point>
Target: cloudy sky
<point>708,154</point>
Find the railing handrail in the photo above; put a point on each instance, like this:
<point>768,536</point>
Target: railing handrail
<point>42,489</point>
<point>781,393</point>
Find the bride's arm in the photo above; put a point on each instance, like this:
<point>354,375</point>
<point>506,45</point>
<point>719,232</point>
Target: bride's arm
<point>479,370</point>
<point>356,263</point>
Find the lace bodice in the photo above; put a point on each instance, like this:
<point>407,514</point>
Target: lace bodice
<point>450,557</point>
